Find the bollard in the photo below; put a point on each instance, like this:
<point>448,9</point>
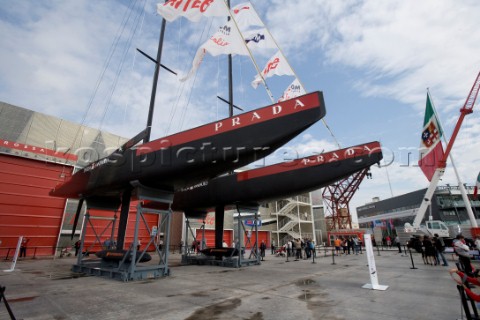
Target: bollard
<point>378,250</point>
<point>333,257</point>
<point>325,248</point>
<point>411,258</point>
<point>314,253</point>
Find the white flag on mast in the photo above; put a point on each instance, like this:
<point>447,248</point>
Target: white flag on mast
<point>295,89</point>
<point>246,16</point>
<point>227,40</point>
<point>259,39</point>
<point>277,65</point>
<point>192,10</point>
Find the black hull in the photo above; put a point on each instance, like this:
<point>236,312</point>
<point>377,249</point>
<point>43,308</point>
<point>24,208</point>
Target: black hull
<point>117,255</point>
<point>220,252</point>
<point>277,181</point>
<point>201,153</point>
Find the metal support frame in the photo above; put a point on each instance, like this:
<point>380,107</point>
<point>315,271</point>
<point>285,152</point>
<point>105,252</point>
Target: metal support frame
<point>151,201</point>
<point>337,196</point>
<point>254,256</point>
<point>232,261</point>
<point>188,253</point>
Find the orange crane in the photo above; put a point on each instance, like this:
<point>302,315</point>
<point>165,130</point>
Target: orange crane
<point>337,198</point>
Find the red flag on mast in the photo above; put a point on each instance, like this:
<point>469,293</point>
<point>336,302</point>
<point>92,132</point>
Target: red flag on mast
<point>477,186</point>
<point>431,149</point>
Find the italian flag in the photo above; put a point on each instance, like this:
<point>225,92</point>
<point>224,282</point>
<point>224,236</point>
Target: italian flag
<point>431,149</point>
<point>477,186</point>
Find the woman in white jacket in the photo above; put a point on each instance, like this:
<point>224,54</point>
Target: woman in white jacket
<point>463,252</point>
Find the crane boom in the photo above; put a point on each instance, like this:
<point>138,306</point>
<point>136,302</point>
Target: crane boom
<point>466,109</point>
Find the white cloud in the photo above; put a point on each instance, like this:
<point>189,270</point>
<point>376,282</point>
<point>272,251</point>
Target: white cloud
<point>52,54</point>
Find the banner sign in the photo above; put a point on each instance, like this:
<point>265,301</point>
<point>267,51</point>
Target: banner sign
<point>371,266</point>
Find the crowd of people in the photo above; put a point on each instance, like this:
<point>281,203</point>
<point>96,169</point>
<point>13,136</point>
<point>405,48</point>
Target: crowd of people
<point>347,245</point>
<point>298,248</point>
<point>431,248</point>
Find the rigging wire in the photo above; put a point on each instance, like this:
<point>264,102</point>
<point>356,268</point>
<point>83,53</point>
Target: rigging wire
<point>294,73</point>
<point>132,70</point>
<point>185,108</point>
<point>112,49</point>
<point>182,87</point>
<point>127,46</point>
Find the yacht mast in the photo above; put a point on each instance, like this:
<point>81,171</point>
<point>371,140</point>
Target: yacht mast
<point>127,194</point>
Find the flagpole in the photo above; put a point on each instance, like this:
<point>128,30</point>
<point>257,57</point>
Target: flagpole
<point>465,198</point>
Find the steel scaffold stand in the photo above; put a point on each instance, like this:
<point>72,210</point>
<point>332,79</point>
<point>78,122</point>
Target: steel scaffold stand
<point>150,201</point>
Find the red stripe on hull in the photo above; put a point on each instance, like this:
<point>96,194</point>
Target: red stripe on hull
<point>281,109</point>
<point>329,157</point>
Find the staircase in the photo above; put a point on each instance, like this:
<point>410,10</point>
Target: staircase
<point>287,212</point>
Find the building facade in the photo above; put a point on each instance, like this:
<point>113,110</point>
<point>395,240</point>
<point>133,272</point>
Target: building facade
<point>37,152</point>
<point>391,214</point>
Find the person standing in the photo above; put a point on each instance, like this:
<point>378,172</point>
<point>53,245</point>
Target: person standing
<point>289,248</point>
<point>338,244</point>
<point>77,247</point>
<point>398,244</point>
<point>440,245</point>
<point>429,251</point>
<point>356,245</point>
<point>273,247</point>
<point>23,247</point>
<point>477,244</point>
<point>263,247</point>
<point>389,241</point>
<point>463,252</point>
<point>298,249</point>
<point>350,244</point>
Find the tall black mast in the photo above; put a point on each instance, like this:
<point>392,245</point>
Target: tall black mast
<point>127,194</point>
<point>230,78</point>
<point>220,210</point>
<point>155,81</point>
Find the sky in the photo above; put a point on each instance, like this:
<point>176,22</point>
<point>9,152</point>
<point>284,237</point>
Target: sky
<point>373,61</point>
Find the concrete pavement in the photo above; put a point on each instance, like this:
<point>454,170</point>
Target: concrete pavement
<point>46,289</point>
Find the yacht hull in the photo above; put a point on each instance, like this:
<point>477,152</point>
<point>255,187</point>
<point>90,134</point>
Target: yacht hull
<point>277,181</point>
<point>185,158</point>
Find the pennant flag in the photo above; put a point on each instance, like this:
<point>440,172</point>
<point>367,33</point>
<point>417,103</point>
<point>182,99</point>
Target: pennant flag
<point>295,89</point>
<point>246,16</point>
<point>259,39</point>
<point>192,10</point>
<point>277,65</point>
<point>227,40</point>
<point>197,60</point>
<point>477,186</point>
<point>431,149</point>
